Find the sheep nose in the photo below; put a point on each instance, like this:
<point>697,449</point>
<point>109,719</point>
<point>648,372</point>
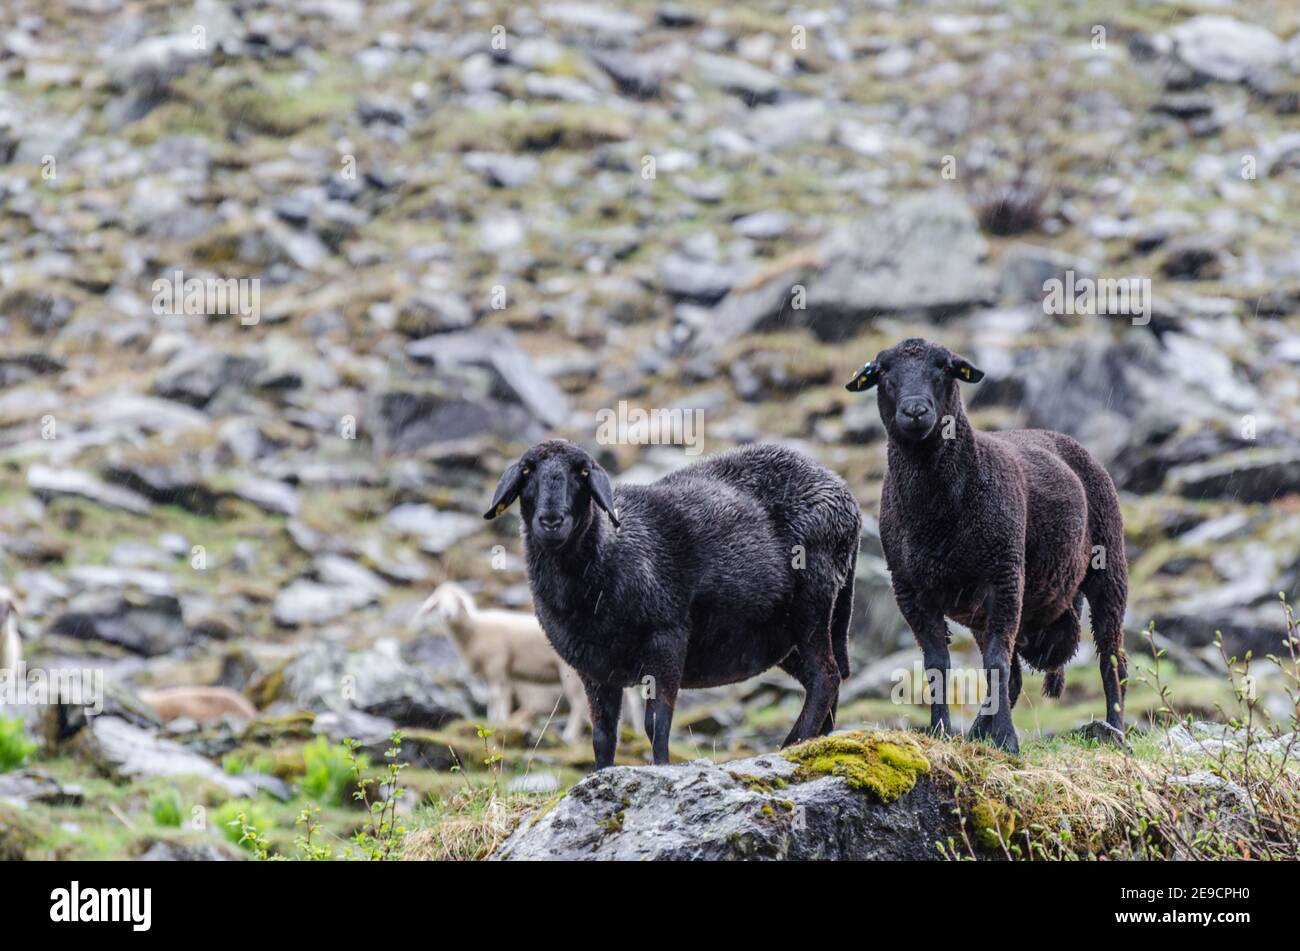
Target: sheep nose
<point>550,520</point>
<point>915,410</point>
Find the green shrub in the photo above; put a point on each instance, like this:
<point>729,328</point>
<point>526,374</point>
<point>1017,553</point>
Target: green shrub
<point>244,823</point>
<point>236,765</point>
<point>330,775</point>
<point>166,809</point>
<point>15,747</point>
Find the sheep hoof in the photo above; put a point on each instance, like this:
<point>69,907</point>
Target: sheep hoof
<point>941,731</point>
<point>1002,736</point>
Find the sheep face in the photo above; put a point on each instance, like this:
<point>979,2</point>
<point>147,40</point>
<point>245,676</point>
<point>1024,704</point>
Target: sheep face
<point>448,603</point>
<point>917,380</point>
<point>557,484</point>
<point>8,605</point>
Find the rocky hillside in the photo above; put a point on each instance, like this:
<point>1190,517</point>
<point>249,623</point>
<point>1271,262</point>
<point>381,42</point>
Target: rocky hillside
<point>422,236</point>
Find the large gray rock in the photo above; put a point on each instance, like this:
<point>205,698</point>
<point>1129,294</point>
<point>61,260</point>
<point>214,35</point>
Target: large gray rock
<point>1224,48</point>
<point>150,624</point>
<point>921,255</point>
<point>306,602</point>
<point>169,482</point>
<point>126,751</point>
<point>751,83</point>
<point>744,809</point>
<point>436,530</point>
<point>515,378</point>
<point>27,786</point>
<point>408,419</point>
<point>1120,395</point>
<point>376,680</point>
<point>1261,475</point>
<point>173,850</point>
<point>196,375</point>
<point>876,628</point>
<point>48,482</point>
<point>155,61</point>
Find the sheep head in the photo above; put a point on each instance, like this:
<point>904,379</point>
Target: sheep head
<point>558,484</point>
<point>9,605</point>
<point>917,386</point>
<point>448,602</point>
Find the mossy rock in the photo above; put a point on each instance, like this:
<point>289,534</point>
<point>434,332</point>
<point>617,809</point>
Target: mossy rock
<point>268,688</point>
<point>533,130</point>
<point>16,835</point>
<point>885,767</point>
<point>267,731</point>
<point>993,822</point>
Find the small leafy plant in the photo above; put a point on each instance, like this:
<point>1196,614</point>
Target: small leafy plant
<point>381,838</point>
<point>241,822</point>
<point>165,808</point>
<point>15,746</point>
<point>331,771</point>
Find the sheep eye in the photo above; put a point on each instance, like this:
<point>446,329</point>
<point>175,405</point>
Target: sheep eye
<point>585,473</point>
<point>526,469</point>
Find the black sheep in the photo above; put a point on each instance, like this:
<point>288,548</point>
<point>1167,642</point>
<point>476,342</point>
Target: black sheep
<point>1005,532</point>
<point>708,576</point>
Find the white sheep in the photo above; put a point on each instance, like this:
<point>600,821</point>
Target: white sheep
<point>509,652</point>
<point>198,703</point>
<point>11,647</point>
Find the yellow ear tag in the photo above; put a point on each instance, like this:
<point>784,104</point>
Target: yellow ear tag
<point>501,508</point>
<point>965,373</point>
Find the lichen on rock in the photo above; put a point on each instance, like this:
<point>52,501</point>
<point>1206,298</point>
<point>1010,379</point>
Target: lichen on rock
<point>886,766</point>
<point>993,822</point>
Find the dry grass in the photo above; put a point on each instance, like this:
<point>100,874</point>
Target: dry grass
<point>468,826</point>
<point>1206,799</point>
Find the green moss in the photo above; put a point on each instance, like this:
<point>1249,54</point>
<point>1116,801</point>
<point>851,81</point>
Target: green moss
<point>277,108</point>
<point>613,824</point>
<point>886,768</point>
<point>993,822</point>
<point>540,813</point>
<point>531,129</point>
<point>16,835</point>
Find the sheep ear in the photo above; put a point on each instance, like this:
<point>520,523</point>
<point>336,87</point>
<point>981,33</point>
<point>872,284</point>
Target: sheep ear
<point>512,482</point>
<point>602,491</point>
<point>965,371</point>
<point>864,379</point>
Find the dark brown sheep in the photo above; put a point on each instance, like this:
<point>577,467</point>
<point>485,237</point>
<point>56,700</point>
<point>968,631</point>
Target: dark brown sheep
<point>1004,532</point>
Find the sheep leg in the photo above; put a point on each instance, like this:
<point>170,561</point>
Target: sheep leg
<point>994,720</point>
<point>659,707</point>
<point>828,725</point>
<point>931,633</point>
<point>810,623</point>
<point>1106,592</point>
<point>823,685</point>
<point>498,708</point>
<point>1016,676</point>
<point>604,701</point>
<point>794,666</point>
